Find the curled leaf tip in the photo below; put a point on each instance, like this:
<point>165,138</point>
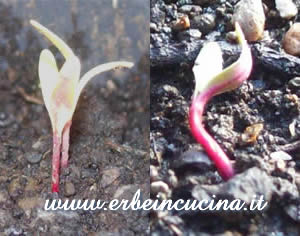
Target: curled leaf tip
<point>99,69</point>
<point>64,49</point>
<point>210,77</point>
<point>239,34</point>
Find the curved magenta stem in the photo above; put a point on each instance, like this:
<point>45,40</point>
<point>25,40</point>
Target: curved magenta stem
<point>213,149</point>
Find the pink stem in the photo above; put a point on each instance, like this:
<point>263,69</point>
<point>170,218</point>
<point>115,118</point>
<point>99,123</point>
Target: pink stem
<point>212,148</point>
<point>65,145</point>
<point>55,162</point>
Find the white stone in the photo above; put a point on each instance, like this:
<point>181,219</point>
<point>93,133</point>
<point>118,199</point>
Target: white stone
<point>280,155</point>
<point>251,17</point>
<point>291,40</point>
<point>287,8</point>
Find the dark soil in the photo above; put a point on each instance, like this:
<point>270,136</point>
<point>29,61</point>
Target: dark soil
<point>267,97</point>
<point>109,135</point>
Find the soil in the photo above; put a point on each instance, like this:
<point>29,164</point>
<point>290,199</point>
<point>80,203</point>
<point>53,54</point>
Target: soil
<point>268,99</point>
<point>110,130</point>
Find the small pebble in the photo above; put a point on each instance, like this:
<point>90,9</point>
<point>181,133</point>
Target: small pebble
<point>280,155</point>
<point>187,9</point>
<point>127,191</point>
<point>251,133</point>
<point>153,28</point>
<point>253,228</point>
<point>231,36</point>
<point>190,33</point>
<point>170,90</point>
<point>153,173</point>
<point>192,161</point>
<point>41,145</point>
<point>280,165</point>
<point>172,179</point>
<point>291,99</point>
<point>287,8</point>
<point>181,24</point>
<point>251,17</point>
<point>291,40</point>
<point>36,145</point>
<point>166,29</point>
<point>5,120</point>
<point>159,186</point>
<point>273,14</point>
<point>109,176</point>
<point>221,10</point>
<point>291,164</point>
<point>294,83</point>
<point>69,189</point>
<point>292,128</point>
<point>205,23</point>
<point>271,139</point>
<point>34,157</point>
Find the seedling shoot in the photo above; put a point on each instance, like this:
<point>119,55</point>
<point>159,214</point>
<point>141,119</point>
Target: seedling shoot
<point>61,90</point>
<point>211,80</point>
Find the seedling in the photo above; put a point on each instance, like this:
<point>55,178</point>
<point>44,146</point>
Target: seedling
<point>210,81</point>
<point>61,91</point>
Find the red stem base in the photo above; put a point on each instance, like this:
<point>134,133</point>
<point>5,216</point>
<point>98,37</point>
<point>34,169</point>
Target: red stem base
<point>213,149</point>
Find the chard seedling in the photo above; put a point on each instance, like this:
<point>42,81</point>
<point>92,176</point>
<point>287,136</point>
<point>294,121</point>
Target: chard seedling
<point>210,80</point>
<point>61,90</point>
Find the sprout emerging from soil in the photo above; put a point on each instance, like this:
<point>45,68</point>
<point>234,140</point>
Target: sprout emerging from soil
<point>211,80</point>
<point>61,91</point>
